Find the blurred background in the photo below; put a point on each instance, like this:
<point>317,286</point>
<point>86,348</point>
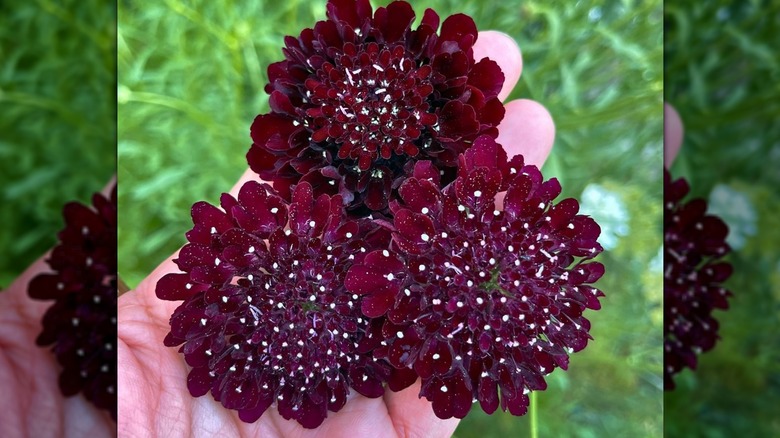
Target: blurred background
<point>191,75</point>
<point>57,119</point>
<point>722,74</point>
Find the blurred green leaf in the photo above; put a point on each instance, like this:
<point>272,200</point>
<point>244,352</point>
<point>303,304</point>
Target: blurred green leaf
<point>58,124</point>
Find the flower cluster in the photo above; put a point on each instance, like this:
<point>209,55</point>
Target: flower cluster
<point>360,97</point>
<point>266,317</point>
<point>381,255</point>
<point>481,301</point>
<point>694,245</point>
<point>81,324</point>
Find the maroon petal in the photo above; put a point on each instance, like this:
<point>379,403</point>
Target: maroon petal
<point>253,414</point>
<point>301,210</point>
<point>310,415</point>
<point>425,170</point>
<point>450,397</point>
<point>209,221</point>
<point>459,28</point>
<point>367,385</point>
<point>176,287</point>
<point>488,77</point>
<point>394,21</point>
<point>415,231</point>
<point>478,190</point>
<point>515,201</point>
<point>488,394</point>
<point>435,358</point>
<point>562,213</point>
<point>46,287</point>
<point>272,131</point>
<point>401,379</point>
<point>485,152</point>
<point>199,381</point>
<point>457,120</point>
<point>379,302</point>
<point>419,195</point>
<point>517,405</point>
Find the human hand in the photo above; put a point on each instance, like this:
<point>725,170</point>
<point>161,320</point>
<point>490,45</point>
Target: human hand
<point>153,395</point>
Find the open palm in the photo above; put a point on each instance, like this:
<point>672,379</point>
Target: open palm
<point>32,404</point>
<point>153,395</point>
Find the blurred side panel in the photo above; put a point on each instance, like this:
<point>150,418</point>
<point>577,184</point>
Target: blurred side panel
<point>722,70</point>
<point>57,118</point>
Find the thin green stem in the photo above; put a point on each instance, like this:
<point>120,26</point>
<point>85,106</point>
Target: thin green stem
<point>534,425</point>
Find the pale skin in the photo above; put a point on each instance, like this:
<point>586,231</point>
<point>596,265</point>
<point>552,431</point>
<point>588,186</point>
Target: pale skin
<point>673,134</point>
<point>153,397</point>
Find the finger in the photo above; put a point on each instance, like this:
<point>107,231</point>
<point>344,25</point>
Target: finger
<point>108,188</point>
<point>501,48</point>
<point>413,416</point>
<point>527,129</point>
<point>673,134</point>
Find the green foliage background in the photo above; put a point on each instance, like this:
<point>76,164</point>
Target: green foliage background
<point>723,76</point>
<point>57,118</point>
<point>191,75</point>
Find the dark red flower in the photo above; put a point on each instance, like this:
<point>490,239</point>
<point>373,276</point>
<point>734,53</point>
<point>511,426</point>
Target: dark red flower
<point>266,318</point>
<point>481,301</point>
<point>81,324</point>
<point>694,245</point>
<point>360,97</point>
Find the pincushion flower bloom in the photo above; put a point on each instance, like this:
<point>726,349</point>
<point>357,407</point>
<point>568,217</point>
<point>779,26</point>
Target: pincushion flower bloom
<point>266,318</point>
<point>694,246</point>
<point>361,96</point>
<point>81,324</point>
<point>481,301</point>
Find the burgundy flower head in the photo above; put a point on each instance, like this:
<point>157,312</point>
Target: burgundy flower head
<point>481,301</point>
<point>694,245</point>
<point>266,318</point>
<point>362,96</point>
<point>81,324</point>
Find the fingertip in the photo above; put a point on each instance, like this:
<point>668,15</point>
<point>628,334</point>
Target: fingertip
<point>413,415</point>
<point>527,129</point>
<point>108,188</point>
<point>673,134</point>
<point>504,50</point>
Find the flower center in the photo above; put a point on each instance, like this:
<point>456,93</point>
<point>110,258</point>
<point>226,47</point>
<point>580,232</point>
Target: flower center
<point>371,103</point>
<point>493,284</point>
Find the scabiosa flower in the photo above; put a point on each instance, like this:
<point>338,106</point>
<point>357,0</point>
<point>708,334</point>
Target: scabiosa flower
<point>360,97</point>
<point>694,245</point>
<point>81,324</point>
<point>481,301</point>
<point>266,318</point>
